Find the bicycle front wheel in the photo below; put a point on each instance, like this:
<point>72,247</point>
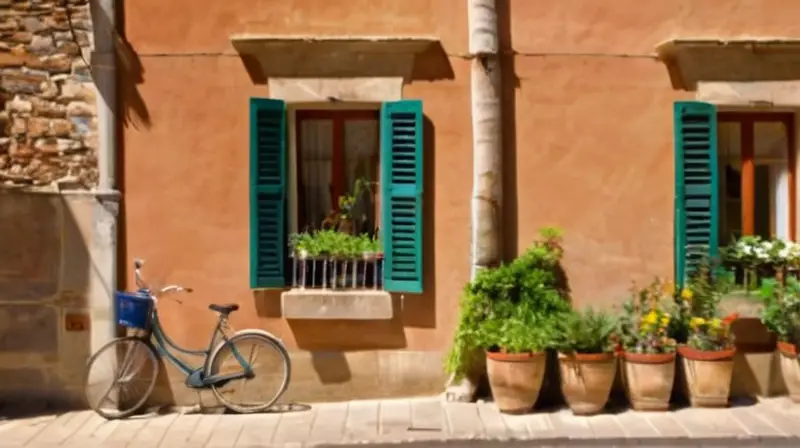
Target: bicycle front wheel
<point>120,377</point>
<point>270,365</point>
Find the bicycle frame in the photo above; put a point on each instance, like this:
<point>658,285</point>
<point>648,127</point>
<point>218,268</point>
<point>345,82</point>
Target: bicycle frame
<point>196,376</point>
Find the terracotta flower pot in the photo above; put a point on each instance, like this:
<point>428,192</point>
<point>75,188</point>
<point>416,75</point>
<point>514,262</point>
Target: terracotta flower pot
<point>649,379</point>
<point>515,379</point>
<point>790,369</point>
<point>707,375</point>
<point>586,380</point>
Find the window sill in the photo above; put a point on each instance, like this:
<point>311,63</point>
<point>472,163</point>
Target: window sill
<point>330,304</point>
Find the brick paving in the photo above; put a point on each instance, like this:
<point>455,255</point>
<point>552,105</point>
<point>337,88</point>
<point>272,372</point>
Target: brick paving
<point>419,422</point>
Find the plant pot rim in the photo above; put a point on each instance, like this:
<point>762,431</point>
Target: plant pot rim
<point>648,358</point>
<point>705,355</point>
<point>787,348</point>
<point>587,357</point>
<point>501,356</point>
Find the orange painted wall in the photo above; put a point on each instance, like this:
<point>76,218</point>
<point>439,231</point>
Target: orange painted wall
<point>588,128</point>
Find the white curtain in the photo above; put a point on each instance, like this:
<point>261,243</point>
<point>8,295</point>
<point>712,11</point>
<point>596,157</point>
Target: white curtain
<point>316,155</point>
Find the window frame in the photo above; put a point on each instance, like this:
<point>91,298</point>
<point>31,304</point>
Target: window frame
<point>746,122</point>
<point>339,117</point>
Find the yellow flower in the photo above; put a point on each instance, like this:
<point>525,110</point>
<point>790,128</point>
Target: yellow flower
<point>687,294</point>
<point>716,322</point>
<point>651,318</point>
<point>697,322</point>
<point>665,320</point>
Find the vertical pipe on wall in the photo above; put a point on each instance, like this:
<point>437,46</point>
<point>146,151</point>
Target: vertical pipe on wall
<point>487,158</point>
<point>104,250</point>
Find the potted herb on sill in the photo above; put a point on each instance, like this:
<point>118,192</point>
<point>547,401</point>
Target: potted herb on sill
<point>708,351</point>
<point>587,360</point>
<point>648,351</point>
<point>781,316</point>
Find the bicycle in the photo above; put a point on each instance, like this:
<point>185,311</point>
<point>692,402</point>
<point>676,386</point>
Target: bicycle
<point>132,353</point>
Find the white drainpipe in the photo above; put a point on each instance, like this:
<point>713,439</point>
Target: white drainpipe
<point>106,210</point>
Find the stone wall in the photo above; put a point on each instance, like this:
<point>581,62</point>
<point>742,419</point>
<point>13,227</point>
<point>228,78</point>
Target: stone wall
<point>48,119</point>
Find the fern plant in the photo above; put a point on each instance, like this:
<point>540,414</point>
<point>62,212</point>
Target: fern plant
<point>586,331</point>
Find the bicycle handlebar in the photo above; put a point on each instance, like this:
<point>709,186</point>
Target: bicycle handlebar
<point>140,283</point>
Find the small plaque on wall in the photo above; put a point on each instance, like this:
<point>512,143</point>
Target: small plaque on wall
<point>76,322</point>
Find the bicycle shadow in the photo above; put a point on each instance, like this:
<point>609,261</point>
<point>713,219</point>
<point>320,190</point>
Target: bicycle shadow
<point>199,409</point>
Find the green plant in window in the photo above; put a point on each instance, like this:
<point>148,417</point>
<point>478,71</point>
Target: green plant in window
<point>781,313</point>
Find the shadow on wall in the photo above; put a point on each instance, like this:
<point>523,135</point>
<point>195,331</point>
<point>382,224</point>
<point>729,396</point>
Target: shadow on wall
<point>45,271</point>
<point>130,72</point>
<point>510,236</point>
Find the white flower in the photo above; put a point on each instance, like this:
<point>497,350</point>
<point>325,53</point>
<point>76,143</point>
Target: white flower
<point>747,250</point>
<point>784,253</point>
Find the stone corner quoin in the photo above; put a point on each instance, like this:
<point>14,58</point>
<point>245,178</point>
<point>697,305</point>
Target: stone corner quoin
<point>48,122</point>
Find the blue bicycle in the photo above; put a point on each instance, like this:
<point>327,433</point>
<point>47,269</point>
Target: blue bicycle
<point>248,370</point>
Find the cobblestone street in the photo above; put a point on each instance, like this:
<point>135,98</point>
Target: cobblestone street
<point>421,421</point>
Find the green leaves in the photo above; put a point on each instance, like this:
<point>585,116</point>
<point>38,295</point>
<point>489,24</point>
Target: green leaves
<point>781,313</point>
<point>587,331</point>
<point>513,307</point>
<point>334,244</point>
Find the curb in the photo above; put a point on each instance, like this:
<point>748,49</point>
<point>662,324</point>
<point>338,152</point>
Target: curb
<point>721,441</point>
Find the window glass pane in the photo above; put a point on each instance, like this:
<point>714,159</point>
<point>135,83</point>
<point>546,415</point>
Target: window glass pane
<point>730,182</point>
<point>316,161</point>
<point>361,162</point>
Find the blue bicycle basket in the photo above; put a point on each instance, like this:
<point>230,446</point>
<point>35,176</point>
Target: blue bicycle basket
<point>134,309</point>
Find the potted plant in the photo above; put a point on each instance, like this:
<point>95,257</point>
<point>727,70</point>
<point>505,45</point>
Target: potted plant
<point>648,351</point>
<point>781,316</point>
<point>708,350</point>
<point>507,319</point>
<point>587,359</point>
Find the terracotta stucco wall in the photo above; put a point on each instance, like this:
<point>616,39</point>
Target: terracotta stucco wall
<point>588,141</point>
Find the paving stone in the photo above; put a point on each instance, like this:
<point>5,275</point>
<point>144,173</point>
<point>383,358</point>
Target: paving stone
<point>570,426</point>
<point>666,425</point>
<point>395,417</point>
<point>181,430</point>
<point>202,432</point>
<point>493,424</point>
<point>295,427</point>
<point>330,423</point>
<point>754,424</point>
<point>517,425</point>
<point>605,426</point>
<point>463,419</point>
<point>227,432</point>
<point>154,431</point>
<point>62,428</point>
<point>258,430</point>
<point>636,426</point>
<point>26,429</point>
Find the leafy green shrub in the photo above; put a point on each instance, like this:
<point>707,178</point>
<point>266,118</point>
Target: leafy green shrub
<point>587,331</point>
<point>512,307</point>
<point>781,313</point>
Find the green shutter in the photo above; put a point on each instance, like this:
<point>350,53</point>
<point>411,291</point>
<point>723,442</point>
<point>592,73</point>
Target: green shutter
<point>267,192</point>
<point>696,186</point>
<point>401,195</point>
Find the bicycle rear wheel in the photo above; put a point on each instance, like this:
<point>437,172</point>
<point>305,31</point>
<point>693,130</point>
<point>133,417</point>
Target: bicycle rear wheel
<point>120,377</point>
<point>271,367</point>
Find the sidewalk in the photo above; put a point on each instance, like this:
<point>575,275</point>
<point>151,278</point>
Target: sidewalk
<point>418,421</point>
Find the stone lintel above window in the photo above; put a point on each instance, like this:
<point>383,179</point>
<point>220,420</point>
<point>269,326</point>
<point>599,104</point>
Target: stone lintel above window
<point>267,56</point>
<point>692,60</point>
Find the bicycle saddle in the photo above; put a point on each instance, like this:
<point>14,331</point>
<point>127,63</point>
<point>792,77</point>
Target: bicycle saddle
<point>225,308</point>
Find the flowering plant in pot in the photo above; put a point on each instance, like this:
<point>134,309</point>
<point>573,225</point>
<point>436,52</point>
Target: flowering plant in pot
<point>781,316</point>
<point>708,351</point>
<point>587,359</point>
<point>508,315</point>
<point>648,350</point>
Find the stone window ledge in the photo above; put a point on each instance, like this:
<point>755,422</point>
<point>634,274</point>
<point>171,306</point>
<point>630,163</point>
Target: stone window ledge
<point>328,304</point>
